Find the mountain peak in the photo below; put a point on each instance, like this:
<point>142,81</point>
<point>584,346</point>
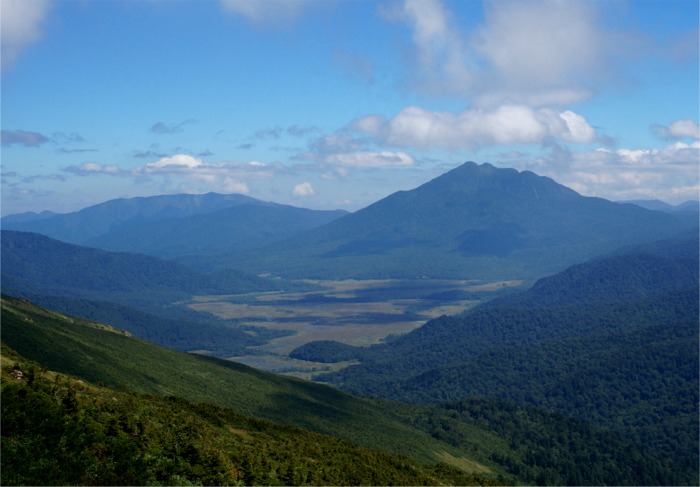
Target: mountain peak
<point>476,221</point>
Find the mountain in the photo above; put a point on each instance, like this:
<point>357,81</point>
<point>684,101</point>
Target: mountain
<point>613,341</point>
<point>170,225</point>
<point>241,227</point>
<point>25,217</point>
<point>184,419</point>
<point>41,265</point>
<point>136,292</point>
<point>100,354</point>
<point>659,205</point>
<point>473,222</point>
<point>82,434</point>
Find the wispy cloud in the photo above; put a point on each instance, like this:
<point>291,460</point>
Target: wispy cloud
<point>268,133</point>
<point>173,128</point>
<point>301,130</point>
<point>95,168</point>
<point>23,137</point>
<point>67,138</point>
<point>354,64</point>
<point>63,150</point>
<point>20,26</point>
<point>148,154</point>
<point>268,12</point>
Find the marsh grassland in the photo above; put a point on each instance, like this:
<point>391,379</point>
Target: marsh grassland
<point>355,312</point>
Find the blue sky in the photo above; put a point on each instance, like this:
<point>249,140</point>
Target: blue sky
<point>335,104</point>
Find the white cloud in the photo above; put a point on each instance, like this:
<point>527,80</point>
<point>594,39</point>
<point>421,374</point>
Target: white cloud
<point>440,52</point>
<point>303,189</point>
<point>20,26</point>
<point>184,170</point>
<point>176,163</point>
<point>369,159</point>
<point>507,124</point>
<point>670,173</point>
<point>536,52</point>
<point>267,11</point>
<point>94,168</point>
<point>542,49</point>
<point>678,129</point>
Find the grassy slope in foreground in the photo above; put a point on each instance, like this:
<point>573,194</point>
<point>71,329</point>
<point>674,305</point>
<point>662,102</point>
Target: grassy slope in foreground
<point>58,430</point>
<point>94,353</point>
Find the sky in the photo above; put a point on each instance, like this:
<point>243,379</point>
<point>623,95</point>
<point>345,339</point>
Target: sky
<point>332,104</point>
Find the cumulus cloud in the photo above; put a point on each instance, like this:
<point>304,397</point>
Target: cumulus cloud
<point>226,176</point>
<point>542,50</point>
<point>537,52</point>
<point>678,129</point>
<point>22,137</point>
<point>303,189</point>
<point>182,169</point>
<point>341,152</point>
<point>267,11</point>
<point>20,26</point>
<point>670,173</point>
<point>507,124</point>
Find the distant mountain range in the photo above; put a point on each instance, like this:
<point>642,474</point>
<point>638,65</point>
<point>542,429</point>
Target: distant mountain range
<point>174,225</point>
<point>658,205</point>
<point>475,221</point>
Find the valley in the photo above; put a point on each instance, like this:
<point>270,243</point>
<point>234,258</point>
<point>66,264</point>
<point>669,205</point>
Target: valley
<point>491,320</point>
<point>354,312</point>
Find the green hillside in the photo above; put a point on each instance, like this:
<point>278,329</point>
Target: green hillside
<point>205,421</point>
<point>58,430</point>
<point>101,355</point>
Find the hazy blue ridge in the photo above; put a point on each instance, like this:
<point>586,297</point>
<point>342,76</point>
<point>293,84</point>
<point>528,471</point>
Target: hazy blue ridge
<point>242,227</point>
<point>93,221</point>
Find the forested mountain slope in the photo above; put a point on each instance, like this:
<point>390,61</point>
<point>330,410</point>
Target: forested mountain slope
<point>613,341</point>
<point>58,430</point>
<point>135,292</point>
<point>77,433</point>
<point>475,222</point>
<point>35,263</point>
<point>102,355</point>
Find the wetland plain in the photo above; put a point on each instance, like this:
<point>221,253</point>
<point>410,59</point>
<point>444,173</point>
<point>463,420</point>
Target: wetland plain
<point>355,312</point>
